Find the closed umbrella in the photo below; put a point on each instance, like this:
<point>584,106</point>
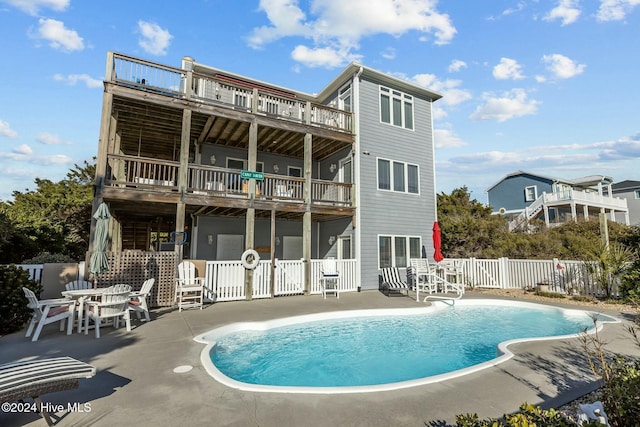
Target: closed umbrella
<point>99,261</point>
<point>437,243</point>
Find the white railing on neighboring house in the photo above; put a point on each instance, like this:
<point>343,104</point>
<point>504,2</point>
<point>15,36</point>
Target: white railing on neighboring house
<point>35,271</point>
<point>224,280</point>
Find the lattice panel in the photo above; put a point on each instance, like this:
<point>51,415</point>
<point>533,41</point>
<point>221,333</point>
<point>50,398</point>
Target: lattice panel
<point>134,267</point>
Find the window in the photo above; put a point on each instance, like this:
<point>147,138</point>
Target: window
<point>395,251</point>
<point>398,176</point>
<point>242,164</point>
<point>344,247</point>
<point>530,193</point>
<point>637,193</point>
<point>384,174</point>
<point>344,98</point>
<point>294,171</point>
<point>396,108</point>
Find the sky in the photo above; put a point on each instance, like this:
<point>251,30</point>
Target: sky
<point>548,87</point>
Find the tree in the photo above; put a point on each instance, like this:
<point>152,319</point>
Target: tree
<point>55,217</point>
<point>468,229</point>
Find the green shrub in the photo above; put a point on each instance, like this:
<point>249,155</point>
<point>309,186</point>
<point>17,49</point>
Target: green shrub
<point>47,257</point>
<point>621,393</point>
<point>529,416</point>
<point>14,312</point>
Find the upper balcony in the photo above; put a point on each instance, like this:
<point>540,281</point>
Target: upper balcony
<point>218,89</point>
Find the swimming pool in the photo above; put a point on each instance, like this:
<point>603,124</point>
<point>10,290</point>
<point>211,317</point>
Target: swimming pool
<point>375,350</point>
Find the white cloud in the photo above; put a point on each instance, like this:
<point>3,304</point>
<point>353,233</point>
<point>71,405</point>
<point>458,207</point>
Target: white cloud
<point>567,11</point>
<point>23,150</point>
<point>331,24</point>
<point>445,138</point>
<point>155,40</point>
<point>519,7</point>
<point>508,69</point>
<point>322,57</point>
<point>55,159</point>
<point>50,139</point>
<point>615,10</point>
<point>508,106</point>
<point>452,94</point>
<point>388,53</point>
<point>456,65</point>
<point>5,130</point>
<point>33,6</point>
<point>73,79</point>
<point>58,36</point>
<point>562,67</point>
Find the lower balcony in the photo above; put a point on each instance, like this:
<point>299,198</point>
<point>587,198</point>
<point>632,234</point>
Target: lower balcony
<point>155,175</point>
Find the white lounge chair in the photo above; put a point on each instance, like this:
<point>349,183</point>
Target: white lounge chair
<point>330,277</point>
<point>138,301</point>
<point>189,288</point>
<point>391,281</point>
<point>113,304</point>
<point>20,380</point>
<point>48,311</point>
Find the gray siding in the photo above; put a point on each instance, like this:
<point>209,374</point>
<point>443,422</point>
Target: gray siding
<point>510,194</point>
<point>385,212</point>
<point>633,204</point>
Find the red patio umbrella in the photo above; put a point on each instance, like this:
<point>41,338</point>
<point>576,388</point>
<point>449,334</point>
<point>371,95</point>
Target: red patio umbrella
<point>437,243</point>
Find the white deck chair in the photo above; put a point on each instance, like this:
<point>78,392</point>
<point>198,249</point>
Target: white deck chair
<point>391,281</point>
<point>78,284</point>
<point>113,304</point>
<point>330,277</point>
<point>48,311</point>
<point>138,302</point>
<point>424,274</point>
<point>189,288</point>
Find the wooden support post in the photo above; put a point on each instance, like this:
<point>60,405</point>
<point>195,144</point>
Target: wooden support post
<point>251,212</point>
<point>183,176</point>
<point>272,278</point>
<point>306,219</point>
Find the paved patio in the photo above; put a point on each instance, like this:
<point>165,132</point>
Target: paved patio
<point>136,384</point>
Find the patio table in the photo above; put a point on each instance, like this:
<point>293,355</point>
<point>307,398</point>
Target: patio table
<point>80,295</point>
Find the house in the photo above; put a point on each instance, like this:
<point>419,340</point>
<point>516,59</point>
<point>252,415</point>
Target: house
<point>524,196</point>
<point>209,163</point>
<point>630,191</point>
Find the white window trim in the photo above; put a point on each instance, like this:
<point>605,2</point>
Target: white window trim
<point>404,99</point>
<point>341,239</point>
<point>406,176</point>
<point>393,247</point>
<point>636,194</point>
<point>526,193</point>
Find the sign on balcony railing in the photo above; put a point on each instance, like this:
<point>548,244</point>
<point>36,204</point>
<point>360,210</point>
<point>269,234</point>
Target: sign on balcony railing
<point>252,175</point>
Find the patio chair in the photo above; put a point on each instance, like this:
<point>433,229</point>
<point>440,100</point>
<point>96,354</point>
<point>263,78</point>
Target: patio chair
<point>20,380</point>
<point>113,304</point>
<point>48,311</point>
<point>330,277</point>
<point>189,288</point>
<point>78,284</point>
<point>138,301</point>
<point>391,281</point>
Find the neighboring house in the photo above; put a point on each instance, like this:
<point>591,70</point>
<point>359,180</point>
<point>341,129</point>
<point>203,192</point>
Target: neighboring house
<point>630,191</point>
<point>524,196</point>
<point>346,173</point>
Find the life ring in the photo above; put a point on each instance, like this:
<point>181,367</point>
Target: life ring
<point>250,265</point>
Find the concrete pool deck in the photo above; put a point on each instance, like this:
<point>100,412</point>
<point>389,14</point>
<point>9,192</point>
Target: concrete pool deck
<point>136,382</point>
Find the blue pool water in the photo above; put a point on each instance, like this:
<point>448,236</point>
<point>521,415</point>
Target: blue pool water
<point>366,350</point>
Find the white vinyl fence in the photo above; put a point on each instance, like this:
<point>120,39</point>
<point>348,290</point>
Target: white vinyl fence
<point>562,276</point>
<point>224,280</point>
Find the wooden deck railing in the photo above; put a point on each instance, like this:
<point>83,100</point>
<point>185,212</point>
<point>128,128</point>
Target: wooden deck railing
<point>161,175</point>
<point>150,76</point>
<point>142,172</point>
